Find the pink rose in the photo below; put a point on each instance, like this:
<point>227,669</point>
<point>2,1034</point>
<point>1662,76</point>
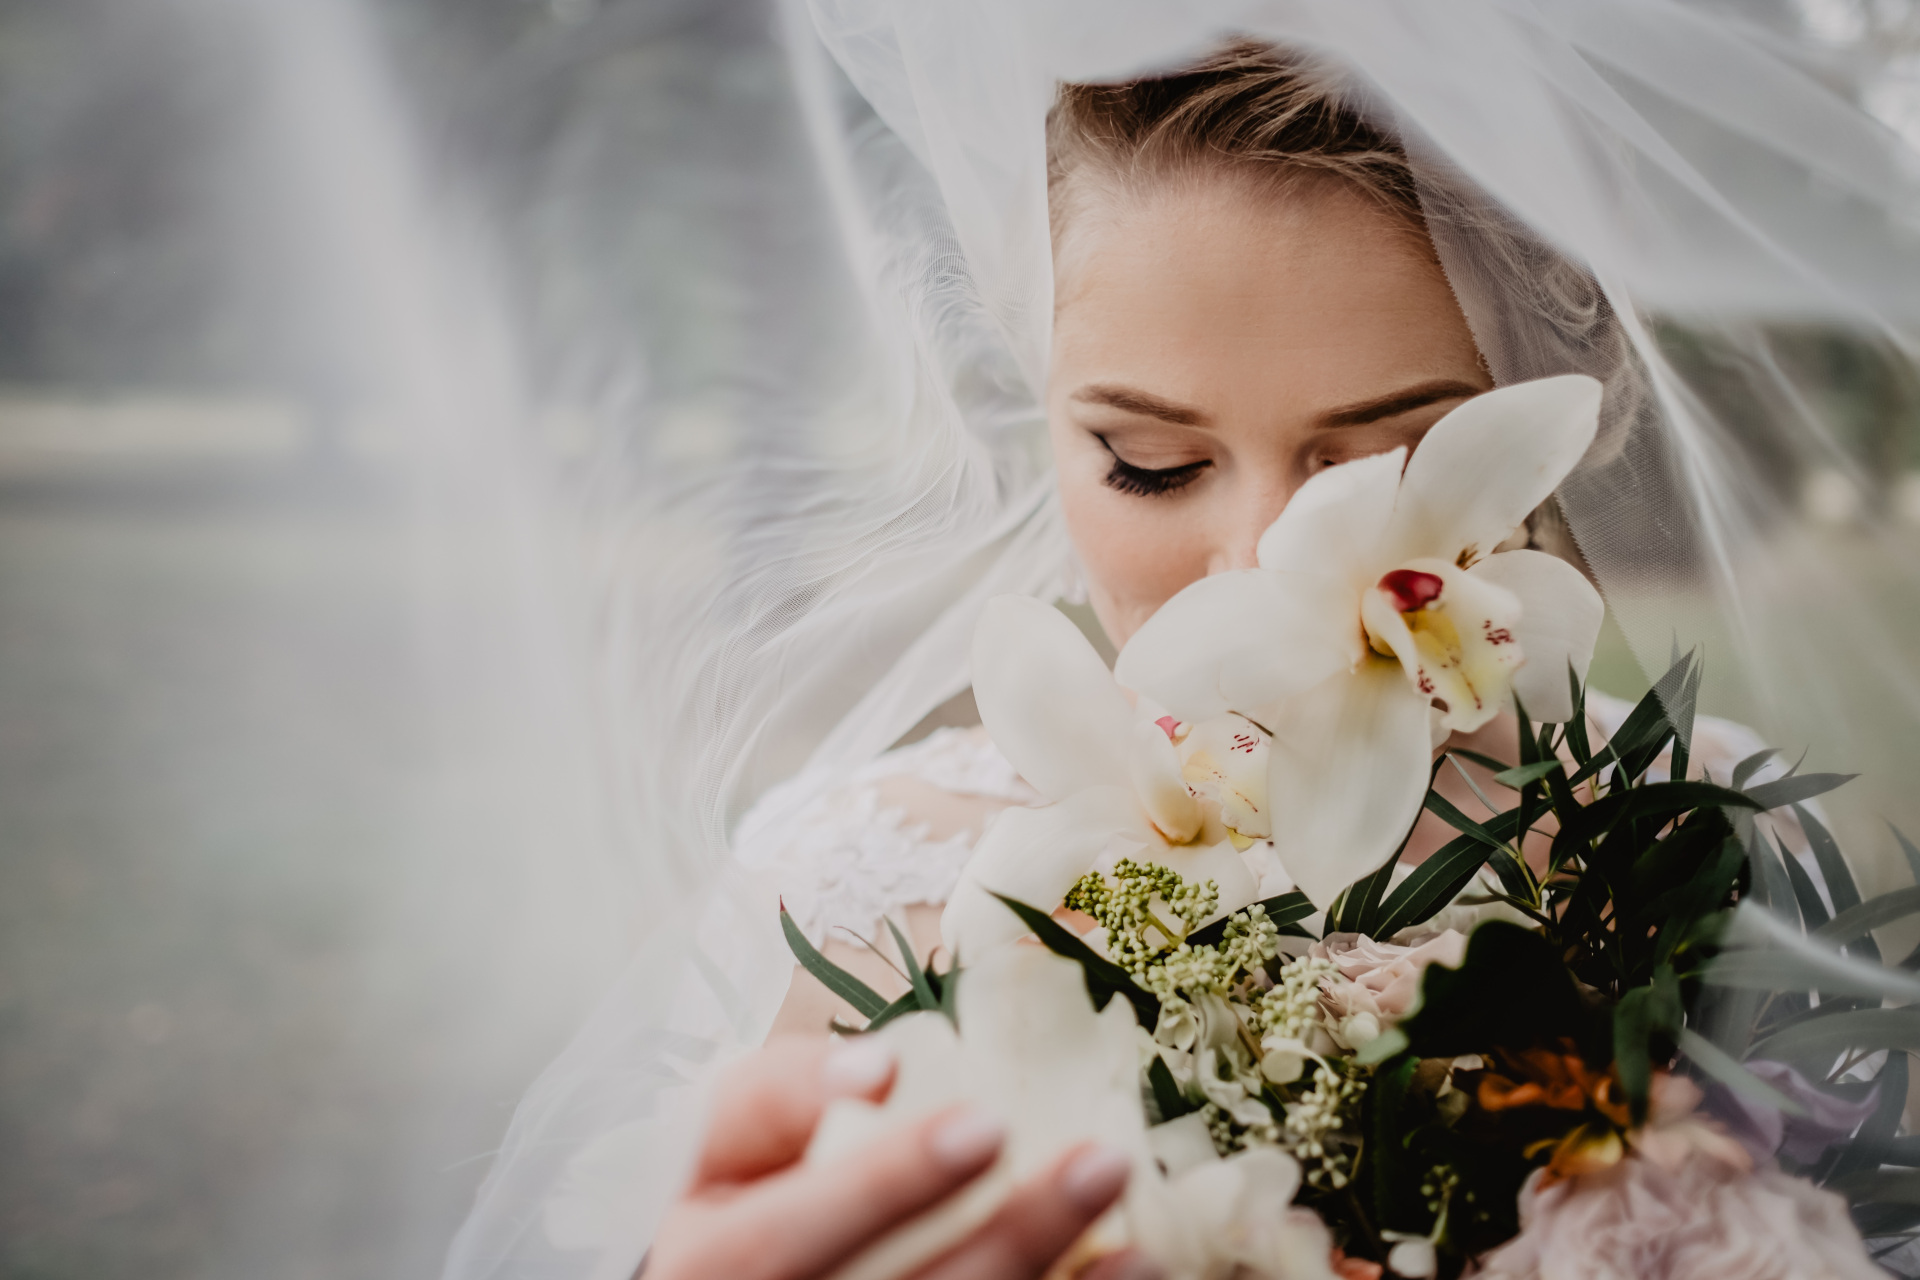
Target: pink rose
<point>1378,982</point>
<point>1686,1204</point>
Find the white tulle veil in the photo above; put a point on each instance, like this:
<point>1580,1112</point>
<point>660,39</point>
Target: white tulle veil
<point>1652,193</point>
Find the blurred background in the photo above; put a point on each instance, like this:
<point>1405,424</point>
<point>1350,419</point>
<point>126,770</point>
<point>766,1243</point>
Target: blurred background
<point>325,327</point>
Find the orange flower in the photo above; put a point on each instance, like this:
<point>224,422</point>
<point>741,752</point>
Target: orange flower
<point>1553,1078</point>
<point>1354,1268</point>
<point>1559,1079</point>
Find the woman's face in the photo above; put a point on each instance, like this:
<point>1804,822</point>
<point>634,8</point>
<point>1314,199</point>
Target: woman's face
<point>1213,348</point>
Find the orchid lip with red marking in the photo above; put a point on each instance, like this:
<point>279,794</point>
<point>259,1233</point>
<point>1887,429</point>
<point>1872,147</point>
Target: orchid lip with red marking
<point>1410,589</point>
<point>1167,726</point>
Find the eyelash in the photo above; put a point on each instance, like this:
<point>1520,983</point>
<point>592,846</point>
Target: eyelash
<point>1141,482</point>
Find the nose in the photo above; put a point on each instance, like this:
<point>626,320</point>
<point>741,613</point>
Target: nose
<point>1241,516</point>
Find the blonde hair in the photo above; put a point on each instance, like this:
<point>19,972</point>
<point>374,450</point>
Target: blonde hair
<point>1249,111</point>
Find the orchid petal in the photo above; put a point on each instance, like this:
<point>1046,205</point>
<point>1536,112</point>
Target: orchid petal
<point>1334,522</point>
<point>1484,467</point>
<point>1560,616</point>
<point>1457,644</point>
<point>1225,760</point>
<point>1048,701</point>
<point>1034,856</point>
<point>1158,785</point>
<point>1241,641</point>
<point>1348,776</point>
<point>1035,1055</point>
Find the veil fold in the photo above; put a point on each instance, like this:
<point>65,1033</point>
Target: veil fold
<point>1633,188</point>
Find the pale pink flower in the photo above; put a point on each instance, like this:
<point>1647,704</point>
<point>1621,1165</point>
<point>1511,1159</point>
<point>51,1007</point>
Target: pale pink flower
<point>1686,1203</point>
<point>1378,982</point>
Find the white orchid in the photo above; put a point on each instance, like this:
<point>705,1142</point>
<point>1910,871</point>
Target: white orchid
<point>1381,616</point>
<point>1036,1055</point>
<point>1116,779</point>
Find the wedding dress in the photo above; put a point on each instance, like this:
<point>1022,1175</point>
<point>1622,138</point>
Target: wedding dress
<point>1656,194</point>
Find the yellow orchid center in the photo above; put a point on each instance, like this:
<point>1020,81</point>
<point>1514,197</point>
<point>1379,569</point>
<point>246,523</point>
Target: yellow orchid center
<point>1452,633</point>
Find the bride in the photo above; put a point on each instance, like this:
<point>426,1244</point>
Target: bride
<point>1255,259</point>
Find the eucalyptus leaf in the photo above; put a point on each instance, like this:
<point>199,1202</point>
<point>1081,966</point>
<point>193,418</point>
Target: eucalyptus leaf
<point>1731,1072</point>
<point>1792,790</point>
<point>1826,855</point>
<point>1825,1038</point>
<point>1857,921</point>
<point>1783,971</point>
<point>1907,847</point>
<point>1519,777</point>
<point>922,987</point>
<point>1103,977</point>
<point>1432,885</point>
<point>868,1002</point>
<point>1744,771</point>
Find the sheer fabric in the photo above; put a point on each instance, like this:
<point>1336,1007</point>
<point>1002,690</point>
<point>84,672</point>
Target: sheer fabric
<point>1631,188</point>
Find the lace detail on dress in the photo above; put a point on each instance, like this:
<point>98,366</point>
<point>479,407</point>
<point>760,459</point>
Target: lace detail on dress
<point>848,858</point>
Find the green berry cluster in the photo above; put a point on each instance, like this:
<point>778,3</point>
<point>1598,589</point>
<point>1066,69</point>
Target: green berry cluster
<point>1313,1120</point>
<point>1131,904</point>
<point>1291,1007</point>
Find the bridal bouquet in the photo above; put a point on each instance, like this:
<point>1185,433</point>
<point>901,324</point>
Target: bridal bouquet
<point>1614,1029</point>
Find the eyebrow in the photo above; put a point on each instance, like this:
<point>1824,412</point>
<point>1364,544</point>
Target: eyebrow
<point>1406,401</point>
<point>1129,400</point>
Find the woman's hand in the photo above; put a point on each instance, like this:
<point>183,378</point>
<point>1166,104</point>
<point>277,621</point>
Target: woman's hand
<point>754,1212</point>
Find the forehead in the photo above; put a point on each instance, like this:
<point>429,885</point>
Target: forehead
<point>1212,290</point>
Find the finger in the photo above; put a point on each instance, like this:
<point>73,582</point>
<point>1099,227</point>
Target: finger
<point>811,1219</point>
<point>766,1106</point>
<point>1040,1221</point>
<point>1128,1264</point>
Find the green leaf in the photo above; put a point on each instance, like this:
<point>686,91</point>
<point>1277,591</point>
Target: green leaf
<point>1827,1037</point>
<point>1857,921</point>
<point>1645,730</point>
<point>1731,1072</point>
<point>1167,1098</point>
<point>1283,910</point>
<point>1906,847</point>
<point>1489,763</point>
<point>907,1003</point>
<point>1783,971</point>
<point>1889,1106</point>
<point>1361,902</point>
<point>1680,716</point>
<point>1387,1100</point>
<point>1515,877</point>
<point>1104,978</point>
<point>1805,786</point>
<point>1517,778</point>
<point>922,988</point>
<point>1880,1186</point>
<point>1769,883</point>
<point>1745,770</point>
<point>1811,963</point>
<point>1445,810</point>
<point>1576,727</point>
<point>1641,1014</point>
<point>862,997</point>
<point>1511,991</point>
<point>1812,910</point>
<point>1432,885</point>
<point>1826,856</point>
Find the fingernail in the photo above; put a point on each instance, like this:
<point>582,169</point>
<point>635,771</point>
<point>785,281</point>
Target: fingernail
<point>1094,1177</point>
<point>857,1068</point>
<point>1137,1266</point>
<point>967,1139</point>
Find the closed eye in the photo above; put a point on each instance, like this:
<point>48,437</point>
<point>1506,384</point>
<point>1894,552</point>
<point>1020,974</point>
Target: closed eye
<point>1147,482</point>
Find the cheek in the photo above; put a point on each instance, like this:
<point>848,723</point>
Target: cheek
<point>1137,553</point>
